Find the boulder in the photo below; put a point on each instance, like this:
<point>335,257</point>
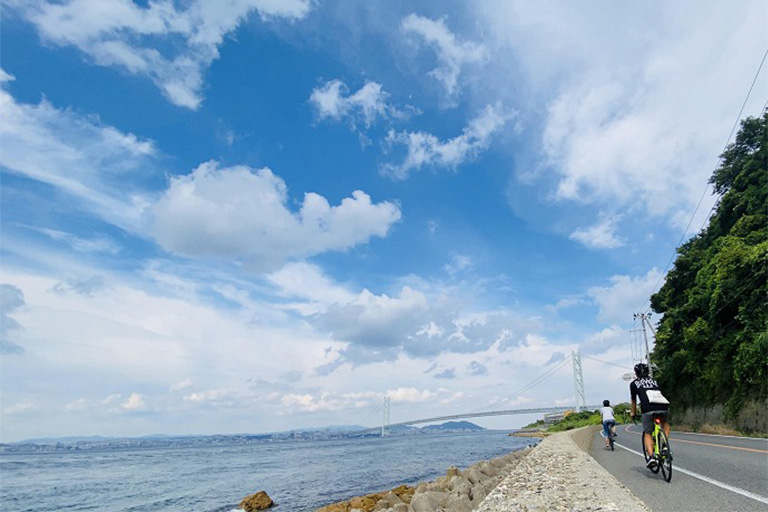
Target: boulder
<point>457,503</point>
<point>478,493</point>
<point>427,501</point>
<point>257,501</point>
<point>473,475</point>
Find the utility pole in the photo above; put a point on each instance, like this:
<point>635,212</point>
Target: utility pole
<point>645,317</point>
<point>385,422</point>
<point>578,380</point>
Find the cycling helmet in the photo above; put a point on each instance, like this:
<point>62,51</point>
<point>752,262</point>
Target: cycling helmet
<point>641,370</point>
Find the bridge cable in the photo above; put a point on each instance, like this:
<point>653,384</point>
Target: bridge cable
<point>606,362</point>
<point>537,380</point>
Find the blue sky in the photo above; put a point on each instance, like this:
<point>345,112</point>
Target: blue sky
<point>259,215</point>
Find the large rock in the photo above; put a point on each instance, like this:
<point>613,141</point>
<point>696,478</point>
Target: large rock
<point>257,501</point>
<point>427,501</point>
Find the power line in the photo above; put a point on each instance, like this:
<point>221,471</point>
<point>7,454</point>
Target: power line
<point>720,159</point>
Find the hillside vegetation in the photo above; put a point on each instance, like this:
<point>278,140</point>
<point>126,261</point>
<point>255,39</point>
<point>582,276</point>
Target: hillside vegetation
<point>712,341</point>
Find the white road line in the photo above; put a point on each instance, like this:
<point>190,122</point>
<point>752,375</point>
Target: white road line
<point>720,435</point>
<point>737,490</point>
<point>707,435</point>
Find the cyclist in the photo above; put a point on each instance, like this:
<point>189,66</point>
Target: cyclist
<point>609,422</point>
<point>652,402</point>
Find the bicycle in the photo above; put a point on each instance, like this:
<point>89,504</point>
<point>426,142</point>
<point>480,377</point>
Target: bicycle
<point>661,449</point>
<point>611,435</point>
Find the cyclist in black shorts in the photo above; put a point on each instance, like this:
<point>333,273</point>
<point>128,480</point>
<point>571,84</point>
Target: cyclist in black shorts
<point>651,402</point>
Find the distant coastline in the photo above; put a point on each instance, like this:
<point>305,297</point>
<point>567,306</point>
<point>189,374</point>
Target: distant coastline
<point>82,443</point>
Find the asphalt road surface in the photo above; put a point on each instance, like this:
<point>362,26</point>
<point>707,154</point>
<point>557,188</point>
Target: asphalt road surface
<point>709,473</point>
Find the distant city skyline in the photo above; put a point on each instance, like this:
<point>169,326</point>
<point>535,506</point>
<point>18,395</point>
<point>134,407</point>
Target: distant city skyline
<point>257,216</point>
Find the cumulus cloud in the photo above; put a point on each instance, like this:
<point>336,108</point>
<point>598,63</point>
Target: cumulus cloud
<point>424,149</point>
<point>378,322</point>
<point>448,373</point>
<point>625,296</point>
<point>601,235</point>
<point>333,101</point>
<point>181,385</point>
<point>11,300</point>
<point>474,368</point>
<point>124,34</point>
<point>556,358</point>
<point>451,53</point>
<point>134,402</point>
<point>314,401</point>
<point>242,214</point>
<point>411,395</point>
<point>632,133</point>
<point>606,339</point>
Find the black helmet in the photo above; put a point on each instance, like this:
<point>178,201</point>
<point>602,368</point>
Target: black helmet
<point>641,370</point>
<point>606,403</point>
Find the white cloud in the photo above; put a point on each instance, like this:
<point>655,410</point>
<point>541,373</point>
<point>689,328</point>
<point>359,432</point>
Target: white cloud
<point>451,54</point>
<point>368,103</point>
<point>424,149</point>
<point>81,244</point>
<point>600,236</point>
<point>411,395</point>
<point>78,155</point>
<point>378,322</point>
<point>181,385</point>
<point>242,215</point>
<point>625,296</point>
<point>78,405</point>
<point>134,402</point>
<point>631,133</point>
<point>307,283</point>
<point>18,408</point>
<point>458,263</point>
<point>124,34</point>
<point>11,301</point>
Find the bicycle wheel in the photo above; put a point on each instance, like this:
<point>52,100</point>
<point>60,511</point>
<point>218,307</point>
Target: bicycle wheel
<point>647,455</point>
<point>665,461</point>
<point>610,441</point>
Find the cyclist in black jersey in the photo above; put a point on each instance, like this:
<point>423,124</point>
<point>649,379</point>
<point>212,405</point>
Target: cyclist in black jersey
<point>652,402</point>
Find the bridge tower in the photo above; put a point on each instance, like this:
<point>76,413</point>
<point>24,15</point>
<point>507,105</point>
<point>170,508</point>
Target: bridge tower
<point>385,422</point>
<point>578,381</point>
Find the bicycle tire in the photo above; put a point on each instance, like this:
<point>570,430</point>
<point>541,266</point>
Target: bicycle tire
<point>665,461</point>
<point>610,440</point>
<point>654,469</point>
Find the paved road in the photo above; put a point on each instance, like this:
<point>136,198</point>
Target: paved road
<point>710,473</point>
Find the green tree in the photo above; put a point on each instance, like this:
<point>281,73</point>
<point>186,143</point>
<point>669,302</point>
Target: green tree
<point>712,341</point>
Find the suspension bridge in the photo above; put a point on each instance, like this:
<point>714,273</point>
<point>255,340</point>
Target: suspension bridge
<point>579,402</point>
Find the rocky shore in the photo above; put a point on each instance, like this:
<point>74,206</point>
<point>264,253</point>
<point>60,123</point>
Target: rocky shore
<point>557,475</point>
<point>457,491</point>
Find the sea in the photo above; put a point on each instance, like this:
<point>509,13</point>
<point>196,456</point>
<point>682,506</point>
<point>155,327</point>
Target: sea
<point>299,475</point>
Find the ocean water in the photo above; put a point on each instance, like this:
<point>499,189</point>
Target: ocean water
<point>297,475</point>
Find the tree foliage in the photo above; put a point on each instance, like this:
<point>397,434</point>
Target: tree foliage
<point>712,341</point>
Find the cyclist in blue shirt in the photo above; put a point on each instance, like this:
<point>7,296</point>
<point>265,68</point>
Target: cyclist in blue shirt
<point>646,389</point>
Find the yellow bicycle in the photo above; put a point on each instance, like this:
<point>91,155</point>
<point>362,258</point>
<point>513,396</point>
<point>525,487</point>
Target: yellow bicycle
<point>661,449</point>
